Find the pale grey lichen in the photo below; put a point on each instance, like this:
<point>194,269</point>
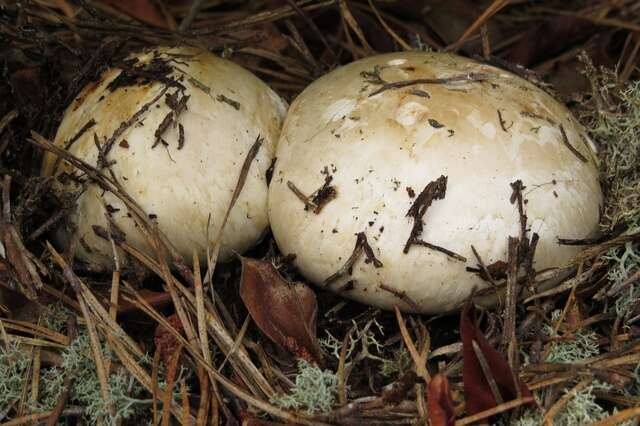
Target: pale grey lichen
<point>315,390</point>
<point>623,262</point>
<point>582,344</point>
<point>14,365</point>
<point>78,361</point>
<point>55,317</point>
<point>399,362</point>
<point>581,409</point>
<point>612,117</point>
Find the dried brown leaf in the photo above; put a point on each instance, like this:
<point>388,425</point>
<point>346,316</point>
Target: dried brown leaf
<point>485,370</point>
<point>284,311</point>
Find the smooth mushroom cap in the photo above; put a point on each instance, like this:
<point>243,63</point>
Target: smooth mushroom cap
<point>185,183</point>
<point>363,160</point>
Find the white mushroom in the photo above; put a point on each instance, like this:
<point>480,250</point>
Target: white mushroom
<point>410,158</point>
<point>174,126</point>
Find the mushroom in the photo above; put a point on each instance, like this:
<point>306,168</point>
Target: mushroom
<point>390,169</point>
<point>173,126</point>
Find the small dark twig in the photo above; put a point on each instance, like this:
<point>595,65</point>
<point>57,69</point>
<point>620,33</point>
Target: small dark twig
<point>503,124</point>
<point>581,242</point>
<point>129,122</point>
<point>402,296</point>
<point>573,149</point>
<point>308,204</point>
<point>8,118</point>
<point>509,316</point>
<point>313,27</point>
<point>435,190</point>
<point>320,197</point>
<point>448,252</point>
<point>362,245</point>
<point>483,267</point>
<point>53,219</point>
<point>405,83</point>
<point>516,197</point>
<point>191,15</point>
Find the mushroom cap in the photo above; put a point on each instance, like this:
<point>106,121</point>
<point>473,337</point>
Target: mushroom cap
<point>185,183</point>
<point>364,155</point>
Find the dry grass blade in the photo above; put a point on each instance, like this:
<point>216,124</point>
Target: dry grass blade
<point>34,418</point>
<point>27,341</point>
<point>560,404</point>
<point>35,329</point>
<point>123,344</point>
<point>196,5</point>
<point>90,301</point>
<point>237,342</point>
<point>154,384</point>
<point>609,22</point>
<point>264,17</point>
<point>568,285</point>
<point>172,370</point>
<point>142,377</point>
<point>7,119</point>
<point>419,361</point>
<point>185,402</point>
<point>618,418</point>
<point>486,371</point>
<point>509,328</point>
<point>68,381</point>
<point>242,177</point>
<point>91,329</point>
<point>109,183</point>
<point>494,8</point>
<point>388,29</point>
<point>241,362</point>
<point>113,302</point>
<point>35,376</point>
<point>205,397</point>
<point>342,385</point>
<point>478,417</point>
<point>16,253</point>
<point>353,24</point>
<point>313,27</point>
<point>226,383</point>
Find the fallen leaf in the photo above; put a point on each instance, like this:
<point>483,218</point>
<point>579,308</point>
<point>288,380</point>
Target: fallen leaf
<point>284,311</point>
<point>142,10</point>
<point>440,402</point>
<point>479,395</point>
<point>451,18</point>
